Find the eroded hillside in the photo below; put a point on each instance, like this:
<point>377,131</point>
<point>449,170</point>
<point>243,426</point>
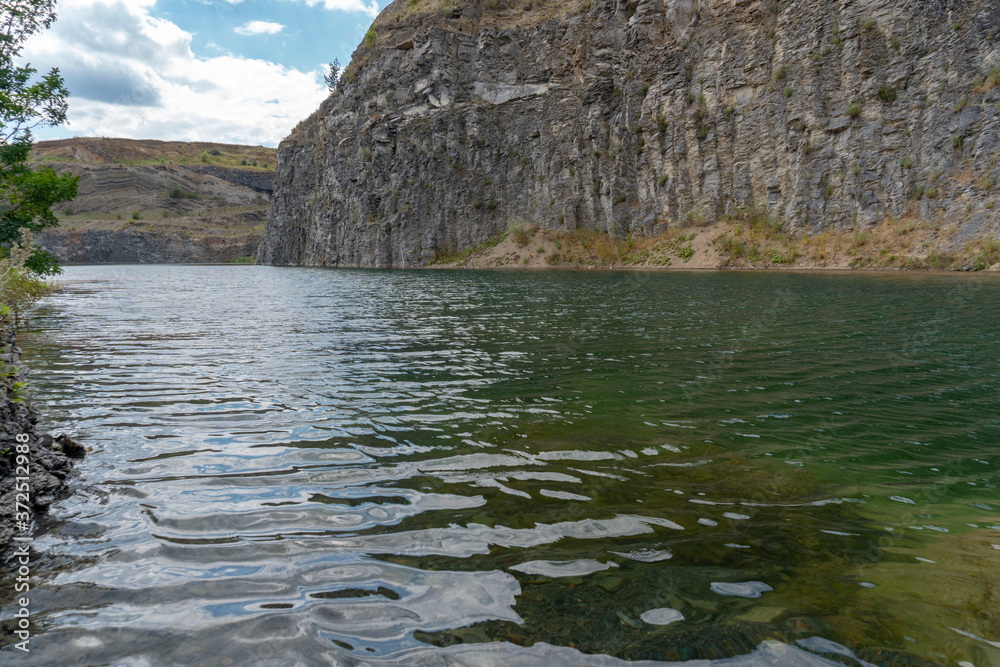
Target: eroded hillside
<point>163,202</point>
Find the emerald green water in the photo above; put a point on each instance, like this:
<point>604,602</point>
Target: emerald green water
<point>298,466</point>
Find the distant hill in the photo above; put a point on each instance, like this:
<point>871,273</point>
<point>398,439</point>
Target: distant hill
<point>158,201</point>
<point>103,150</point>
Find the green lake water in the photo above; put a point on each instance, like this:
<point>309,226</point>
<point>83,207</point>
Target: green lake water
<point>305,466</point>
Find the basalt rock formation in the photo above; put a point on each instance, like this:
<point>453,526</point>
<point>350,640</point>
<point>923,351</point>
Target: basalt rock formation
<point>455,120</point>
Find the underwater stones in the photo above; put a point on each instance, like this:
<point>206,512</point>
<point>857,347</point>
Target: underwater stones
<point>743,589</point>
<point>664,616</point>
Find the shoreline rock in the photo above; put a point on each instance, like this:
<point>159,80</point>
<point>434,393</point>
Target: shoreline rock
<point>50,458</point>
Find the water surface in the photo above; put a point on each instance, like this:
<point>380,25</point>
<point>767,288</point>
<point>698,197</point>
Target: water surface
<point>305,466</point>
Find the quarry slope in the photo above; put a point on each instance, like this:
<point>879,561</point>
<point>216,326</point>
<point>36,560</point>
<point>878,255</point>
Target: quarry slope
<point>158,202</point>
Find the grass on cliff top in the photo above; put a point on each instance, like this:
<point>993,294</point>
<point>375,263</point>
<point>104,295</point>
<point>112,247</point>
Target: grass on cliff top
<point>149,152</point>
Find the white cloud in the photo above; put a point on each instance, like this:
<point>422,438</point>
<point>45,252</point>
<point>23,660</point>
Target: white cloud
<point>133,75</point>
<point>259,28</point>
<point>347,6</point>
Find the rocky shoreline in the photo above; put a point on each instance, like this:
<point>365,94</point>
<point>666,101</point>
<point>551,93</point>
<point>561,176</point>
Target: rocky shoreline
<point>50,459</point>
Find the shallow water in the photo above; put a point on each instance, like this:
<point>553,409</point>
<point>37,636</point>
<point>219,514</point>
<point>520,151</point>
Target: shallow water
<point>305,466</point>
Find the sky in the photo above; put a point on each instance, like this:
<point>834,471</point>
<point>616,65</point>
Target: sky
<point>229,71</point>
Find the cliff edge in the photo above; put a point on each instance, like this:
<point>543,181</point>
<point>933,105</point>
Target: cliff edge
<point>458,121</point>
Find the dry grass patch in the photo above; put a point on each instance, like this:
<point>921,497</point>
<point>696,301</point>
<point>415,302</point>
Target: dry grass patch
<point>754,238</point>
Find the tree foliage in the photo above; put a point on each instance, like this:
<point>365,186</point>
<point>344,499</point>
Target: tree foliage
<point>333,76</point>
<point>20,285</point>
<point>27,194</point>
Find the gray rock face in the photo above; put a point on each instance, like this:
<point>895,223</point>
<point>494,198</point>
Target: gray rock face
<point>630,117</point>
<point>255,180</point>
<point>99,246</point>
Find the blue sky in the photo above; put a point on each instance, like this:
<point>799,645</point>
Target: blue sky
<point>239,71</point>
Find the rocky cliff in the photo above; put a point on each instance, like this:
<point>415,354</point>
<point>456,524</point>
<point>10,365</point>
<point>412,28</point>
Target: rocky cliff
<point>457,119</point>
<point>139,246</point>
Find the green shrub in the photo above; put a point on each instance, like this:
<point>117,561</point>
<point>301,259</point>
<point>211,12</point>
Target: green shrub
<point>371,36</point>
<point>988,256</point>
<point>789,91</point>
<point>907,162</point>
<point>992,80</point>
<point>868,24</point>
<point>853,110</point>
<point>136,215</point>
<point>957,141</point>
<point>20,287</point>
<point>520,235</point>
<point>696,217</point>
<point>780,73</point>
<point>887,94</point>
